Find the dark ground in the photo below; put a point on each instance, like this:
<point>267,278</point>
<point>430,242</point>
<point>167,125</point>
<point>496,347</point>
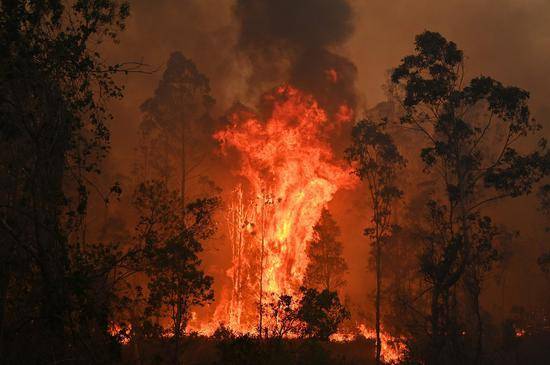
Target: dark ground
<point>528,350</point>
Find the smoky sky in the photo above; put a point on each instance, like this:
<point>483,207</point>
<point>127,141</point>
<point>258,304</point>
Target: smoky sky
<point>290,41</point>
<point>245,47</point>
<point>301,24</point>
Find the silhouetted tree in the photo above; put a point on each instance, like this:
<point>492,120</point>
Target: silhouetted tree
<point>172,148</point>
<point>284,317</point>
<point>321,312</point>
<point>442,265</point>
<point>470,131</point>
<point>544,197</point>
<point>171,240</point>
<point>377,161</point>
<point>175,120</point>
<point>326,266</point>
<point>53,85</point>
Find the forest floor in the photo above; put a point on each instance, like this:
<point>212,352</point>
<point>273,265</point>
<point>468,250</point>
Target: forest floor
<point>532,350</point>
<point>250,351</point>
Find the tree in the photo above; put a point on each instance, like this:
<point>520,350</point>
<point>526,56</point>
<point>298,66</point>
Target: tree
<point>321,312</point>
<point>174,122</point>
<point>377,161</point>
<point>442,264</point>
<point>326,265</point>
<point>174,129</point>
<point>470,131</point>
<point>284,316</point>
<point>544,198</point>
<point>171,240</point>
<point>54,84</point>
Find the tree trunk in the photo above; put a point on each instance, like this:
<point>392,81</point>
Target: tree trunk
<point>327,266</point>
<point>183,167</point>
<point>136,338</point>
<point>178,331</point>
<point>474,290</point>
<point>261,309</point>
<point>377,301</point>
<point>5,275</point>
<point>436,338</point>
<point>479,344</point>
<point>46,190</point>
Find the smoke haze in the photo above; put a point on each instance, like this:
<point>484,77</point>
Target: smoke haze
<point>246,47</point>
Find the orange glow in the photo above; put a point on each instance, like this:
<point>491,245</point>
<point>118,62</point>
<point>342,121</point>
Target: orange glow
<point>289,174</point>
<point>392,350</point>
<point>121,333</point>
<point>332,75</point>
<point>344,114</point>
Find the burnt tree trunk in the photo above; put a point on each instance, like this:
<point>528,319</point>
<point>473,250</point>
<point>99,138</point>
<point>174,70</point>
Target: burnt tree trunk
<point>377,301</point>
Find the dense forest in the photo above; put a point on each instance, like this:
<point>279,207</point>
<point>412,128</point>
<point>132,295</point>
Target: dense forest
<point>223,193</point>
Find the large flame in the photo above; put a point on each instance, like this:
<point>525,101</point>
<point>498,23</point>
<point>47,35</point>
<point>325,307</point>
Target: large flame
<point>290,175</point>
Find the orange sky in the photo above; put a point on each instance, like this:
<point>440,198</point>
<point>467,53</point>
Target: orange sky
<point>506,39</point>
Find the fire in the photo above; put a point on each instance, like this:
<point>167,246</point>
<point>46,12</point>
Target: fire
<point>289,174</point>
<point>392,349</point>
<point>344,114</point>
<point>120,332</point>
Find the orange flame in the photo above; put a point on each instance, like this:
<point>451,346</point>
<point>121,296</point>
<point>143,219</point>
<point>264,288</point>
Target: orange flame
<point>120,332</point>
<point>332,75</point>
<point>392,350</point>
<point>291,174</point>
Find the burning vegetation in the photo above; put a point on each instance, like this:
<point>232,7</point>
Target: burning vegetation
<point>230,239</point>
<point>291,175</point>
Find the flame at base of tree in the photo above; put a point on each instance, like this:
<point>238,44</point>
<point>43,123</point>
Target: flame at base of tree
<point>289,174</point>
<point>392,349</point>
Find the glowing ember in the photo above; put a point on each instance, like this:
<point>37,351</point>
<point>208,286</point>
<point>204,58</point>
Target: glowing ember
<point>290,175</point>
<point>120,332</point>
<point>331,75</point>
<point>344,114</point>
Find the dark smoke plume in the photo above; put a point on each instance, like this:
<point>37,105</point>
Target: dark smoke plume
<point>291,41</point>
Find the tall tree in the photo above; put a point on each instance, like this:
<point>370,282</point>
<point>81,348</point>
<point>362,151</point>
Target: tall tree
<point>266,202</point>
<point>470,129</point>
<point>544,198</point>
<point>326,266</point>
<point>175,119</point>
<point>53,86</point>
<point>171,241</point>
<point>377,161</point>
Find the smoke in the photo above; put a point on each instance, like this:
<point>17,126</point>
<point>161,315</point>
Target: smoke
<point>292,41</point>
<point>301,41</point>
<point>505,39</point>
